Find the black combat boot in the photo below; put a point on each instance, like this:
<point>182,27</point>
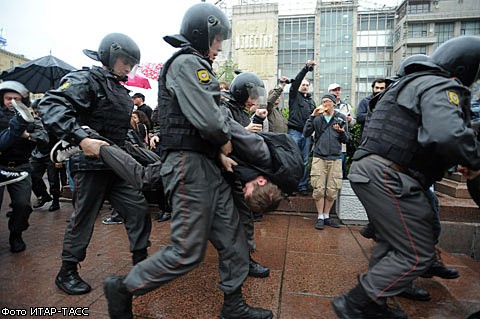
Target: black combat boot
<point>119,299</point>
<point>69,280</point>
<point>257,270</point>
<point>139,255</point>
<point>16,242</point>
<point>55,204</point>
<point>356,304</point>
<point>351,305</point>
<point>42,200</point>
<point>439,269</point>
<point>381,310</point>
<point>234,307</point>
<point>368,232</point>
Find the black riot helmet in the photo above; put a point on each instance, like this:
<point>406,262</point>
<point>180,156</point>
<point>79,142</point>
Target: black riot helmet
<point>114,46</point>
<point>248,85</point>
<point>17,87</point>
<point>201,23</point>
<point>460,57</point>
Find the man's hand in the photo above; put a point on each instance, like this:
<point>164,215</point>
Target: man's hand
<point>310,64</point>
<point>262,113</point>
<point>317,111</point>
<point>254,127</point>
<point>91,147</point>
<point>153,141</point>
<point>338,128</point>
<point>227,162</point>
<point>226,148</point>
<point>283,81</point>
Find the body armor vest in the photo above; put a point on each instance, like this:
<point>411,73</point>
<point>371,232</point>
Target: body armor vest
<point>111,116</point>
<point>176,132</point>
<point>391,131</point>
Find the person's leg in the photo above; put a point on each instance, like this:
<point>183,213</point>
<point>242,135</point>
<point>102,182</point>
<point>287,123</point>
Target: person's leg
<point>132,206</point>
<point>54,184</point>
<point>317,179</point>
<point>88,197</point>
<point>303,185</point>
<point>38,185</point>
<point>401,215</point>
<point>165,212</point>
<point>438,268</point>
<point>398,209</point>
<point>334,184</point>
<point>142,177</point>
<point>246,220</point>
<point>228,237</point>
<point>20,193</point>
<point>193,193</point>
<point>302,142</point>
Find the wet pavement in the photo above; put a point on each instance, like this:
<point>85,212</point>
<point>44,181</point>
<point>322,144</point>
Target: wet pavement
<point>308,269</point>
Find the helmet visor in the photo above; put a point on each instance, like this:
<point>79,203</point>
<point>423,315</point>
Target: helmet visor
<point>257,98</point>
<point>116,52</point>
<point>218,29</point>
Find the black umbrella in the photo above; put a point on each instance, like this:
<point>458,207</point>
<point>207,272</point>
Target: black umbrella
<point>38,75</point>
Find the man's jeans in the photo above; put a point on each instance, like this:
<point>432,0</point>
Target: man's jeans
<point>304,145</point>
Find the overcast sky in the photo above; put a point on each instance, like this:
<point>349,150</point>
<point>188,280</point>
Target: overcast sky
<point>36,28</point>
<point>63,28</point>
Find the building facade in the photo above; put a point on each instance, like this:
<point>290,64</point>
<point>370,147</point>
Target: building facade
<point>351,44</point>
<point>9,60</point>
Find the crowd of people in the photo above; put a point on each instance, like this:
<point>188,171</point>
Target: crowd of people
<point>215,155</point>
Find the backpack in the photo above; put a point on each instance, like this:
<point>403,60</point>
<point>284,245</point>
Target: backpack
<point>287,163</point>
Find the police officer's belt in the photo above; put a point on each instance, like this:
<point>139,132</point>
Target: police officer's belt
<point>389,163</point>
<point>12,164</point>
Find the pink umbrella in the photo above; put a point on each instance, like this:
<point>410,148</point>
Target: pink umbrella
<point>150,70</point>
<point>138,81</point>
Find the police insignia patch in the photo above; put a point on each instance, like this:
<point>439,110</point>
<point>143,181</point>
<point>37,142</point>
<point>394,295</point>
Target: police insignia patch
<point>203,76</point>
<point>453,98</point>
<point>65,86</point>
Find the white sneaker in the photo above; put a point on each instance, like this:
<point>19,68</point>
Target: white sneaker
<point>23,110</point>
<point>62,151</point>
<point>7,177</point>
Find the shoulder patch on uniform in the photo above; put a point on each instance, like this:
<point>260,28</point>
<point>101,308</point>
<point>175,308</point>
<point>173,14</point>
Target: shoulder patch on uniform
<point>453,98</point>
<point>65,86</point>
<point>203,76</point>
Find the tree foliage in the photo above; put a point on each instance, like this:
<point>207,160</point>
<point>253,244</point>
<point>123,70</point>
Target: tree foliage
<point>226,71</point>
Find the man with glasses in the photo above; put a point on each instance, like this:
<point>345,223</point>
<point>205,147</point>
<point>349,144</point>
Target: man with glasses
<point>378,85</point>
<point>331,131</point>
<point>96,98</point>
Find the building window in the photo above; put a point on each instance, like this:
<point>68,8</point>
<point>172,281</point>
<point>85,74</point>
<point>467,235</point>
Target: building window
<point>470,28</point>
<point>418,7</point>
<point>444,32</point>
<point>417,30</point>
<point>295,44</point>
<point>417,49</point>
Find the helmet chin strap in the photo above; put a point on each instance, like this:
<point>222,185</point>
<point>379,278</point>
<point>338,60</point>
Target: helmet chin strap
<point>119,78</point>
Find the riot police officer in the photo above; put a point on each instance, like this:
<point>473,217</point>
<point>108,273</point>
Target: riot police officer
<point>418,130</point>
<point>96,98</point>
<point>14,157</point>
<point>193,130</point>
<point>238,102</point>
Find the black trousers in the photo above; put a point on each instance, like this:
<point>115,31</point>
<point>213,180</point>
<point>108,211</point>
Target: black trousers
<point>91,188</point>
<point>20,193</point>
